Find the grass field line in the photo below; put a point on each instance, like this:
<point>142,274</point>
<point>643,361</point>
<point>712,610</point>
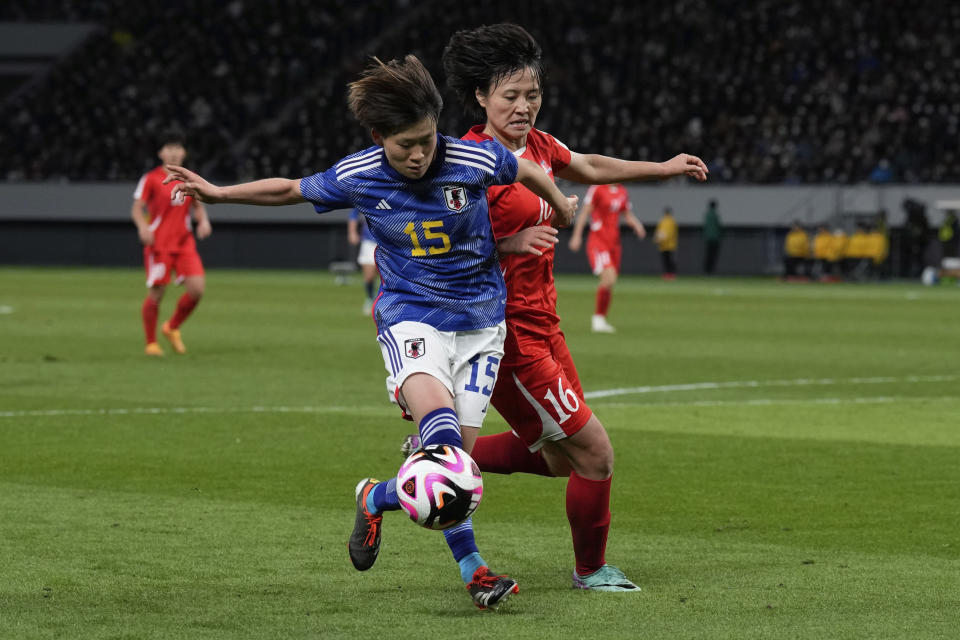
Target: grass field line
<point>187,410</point>
<point>767,402</point>
<point>750,384</point>
<point>385,410</point>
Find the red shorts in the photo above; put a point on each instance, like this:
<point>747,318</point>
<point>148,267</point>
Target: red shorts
<point>538,391</point>
<point>159,266</point>
<point>603,256</point>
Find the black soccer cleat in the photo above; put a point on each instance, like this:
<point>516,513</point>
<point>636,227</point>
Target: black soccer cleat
<point>364,544</point>
<point>490,591</point>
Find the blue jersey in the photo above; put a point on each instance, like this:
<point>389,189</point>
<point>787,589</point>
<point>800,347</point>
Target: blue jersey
<point>364,227</point>
<point>436,254</point>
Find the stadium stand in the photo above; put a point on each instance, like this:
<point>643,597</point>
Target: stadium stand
<point>768,92</point>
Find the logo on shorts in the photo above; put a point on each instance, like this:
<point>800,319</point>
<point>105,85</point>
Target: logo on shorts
<point>456,198</point>
<point>414,347</point>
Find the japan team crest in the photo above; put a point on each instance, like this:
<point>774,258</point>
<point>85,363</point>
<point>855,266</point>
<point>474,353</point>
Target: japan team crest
<point>414,347</point>
<point>456,198</point>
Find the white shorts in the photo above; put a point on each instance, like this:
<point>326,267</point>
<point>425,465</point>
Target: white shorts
<point>466,362</point>
<point>367,247</point>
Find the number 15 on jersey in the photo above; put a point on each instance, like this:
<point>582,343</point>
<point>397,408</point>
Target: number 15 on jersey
<point>436,241</point>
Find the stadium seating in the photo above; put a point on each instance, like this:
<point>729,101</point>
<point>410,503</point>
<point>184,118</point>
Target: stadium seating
<point>769,92</point>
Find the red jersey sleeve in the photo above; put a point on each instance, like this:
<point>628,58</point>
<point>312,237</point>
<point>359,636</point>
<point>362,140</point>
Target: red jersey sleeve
<point>560,155</point>
<point>144,188</point>
<point>588,199</point>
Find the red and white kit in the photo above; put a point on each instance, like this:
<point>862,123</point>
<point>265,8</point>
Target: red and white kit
<point>538,391</point>
<point>173,248</point>
<point>609,202</point>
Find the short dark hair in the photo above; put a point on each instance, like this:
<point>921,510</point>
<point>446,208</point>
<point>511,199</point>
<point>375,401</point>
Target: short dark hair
<point>482,57</point>
<point>394,96</point>
<point>171,136</point>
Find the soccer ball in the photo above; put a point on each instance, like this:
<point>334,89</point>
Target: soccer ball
<point>439,486</point>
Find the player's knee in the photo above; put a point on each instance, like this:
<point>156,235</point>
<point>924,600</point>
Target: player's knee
<point>602,462</point>
<point>595,460</point>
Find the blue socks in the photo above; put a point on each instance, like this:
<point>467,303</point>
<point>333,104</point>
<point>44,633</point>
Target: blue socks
<point>440,426</point>
<point>461,541</point>
<point>383,497</point>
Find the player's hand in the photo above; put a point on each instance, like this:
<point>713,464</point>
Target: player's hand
<point>529,240</point>
<point>575,243</point>
<point>191,184</point>
<point>565,218</point>
<point>685,164</point>
<point>640,230</point>
<point>204,229</point>
<point>146,236</point>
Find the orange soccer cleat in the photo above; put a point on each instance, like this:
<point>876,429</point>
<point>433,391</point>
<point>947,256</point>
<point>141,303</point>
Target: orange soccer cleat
<point>153,349</point>
<point>173,336</point>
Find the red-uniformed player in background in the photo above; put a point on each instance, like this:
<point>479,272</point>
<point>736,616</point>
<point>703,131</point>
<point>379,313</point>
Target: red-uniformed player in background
<point>603,206</point>
<point>165,229</point>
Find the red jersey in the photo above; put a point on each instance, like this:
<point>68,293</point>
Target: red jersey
<point>609,201</point>
<point>531,294</point>
<point>169,221</point>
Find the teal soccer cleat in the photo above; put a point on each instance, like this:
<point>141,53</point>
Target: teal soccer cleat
<point>606,578</point>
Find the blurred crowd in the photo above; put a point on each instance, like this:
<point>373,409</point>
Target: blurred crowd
<point>772,91</point>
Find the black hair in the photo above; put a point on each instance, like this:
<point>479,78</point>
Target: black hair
<point>394,96</point>
<point>171,136</point>
<point>480,58</point>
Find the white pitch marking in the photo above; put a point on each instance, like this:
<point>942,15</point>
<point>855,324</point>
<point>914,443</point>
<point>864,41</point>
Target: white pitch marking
<point>174,410</point>
<point>5,309</point>
<point>697,386</point>
<point>745,384</point>
<point>768,402</point>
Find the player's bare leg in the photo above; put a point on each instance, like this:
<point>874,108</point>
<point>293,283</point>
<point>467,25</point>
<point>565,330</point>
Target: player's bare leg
<point>149,312</point>
<point>369,275</point>
<point>195,287</point>
<point>589,456</point>
<point>427,399</point>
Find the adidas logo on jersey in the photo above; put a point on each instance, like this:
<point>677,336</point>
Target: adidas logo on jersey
<point>383,204</point>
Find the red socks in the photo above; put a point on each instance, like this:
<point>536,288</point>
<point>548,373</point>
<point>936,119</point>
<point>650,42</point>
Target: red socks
<point>588,501</point>
<point>149,314</point>
<point>506,453</point>
<point>588,510</point>
<point>185,305</point>
<point>603,301</point>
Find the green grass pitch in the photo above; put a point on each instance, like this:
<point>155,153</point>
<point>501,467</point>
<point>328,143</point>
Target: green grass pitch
<point>787,466</point>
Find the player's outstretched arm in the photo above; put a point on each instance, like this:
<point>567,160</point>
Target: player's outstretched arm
<point>530,175</point>
<point>596,169</point>
<point>270,192</point>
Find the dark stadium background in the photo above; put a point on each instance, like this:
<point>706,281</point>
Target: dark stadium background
<point>822,110</point>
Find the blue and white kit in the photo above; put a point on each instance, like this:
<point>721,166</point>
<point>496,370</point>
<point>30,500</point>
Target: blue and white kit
<point>436,252</point>
<point>442,301</point>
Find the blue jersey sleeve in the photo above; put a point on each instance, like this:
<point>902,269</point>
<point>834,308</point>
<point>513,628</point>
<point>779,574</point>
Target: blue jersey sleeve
<point>507,165</point>
<point>323,191</point>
